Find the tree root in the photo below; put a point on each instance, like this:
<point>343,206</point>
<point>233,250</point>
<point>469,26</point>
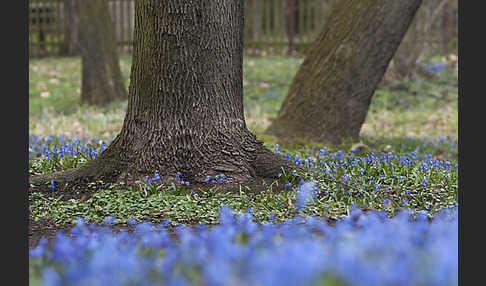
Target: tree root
<point>76,182</point>
<point>106,170</point>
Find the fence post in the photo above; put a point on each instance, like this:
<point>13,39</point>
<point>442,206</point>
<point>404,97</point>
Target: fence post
<point>290,26</point>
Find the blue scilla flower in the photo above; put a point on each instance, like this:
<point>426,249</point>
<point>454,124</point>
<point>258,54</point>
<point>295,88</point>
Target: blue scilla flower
<point>156,176</point>
<point>245,223</point>
<point>434,67</point>
<point>178,280</point>
<point>109,220</point>
<point>218,272</point>
<point>144,227</point>
<point>305,194</point>
<point>51,277</point>
<point>225,215</point>
<point>425,182</point>
<point>296,252</point>
<point>52,186</point>
<point>39,249</point>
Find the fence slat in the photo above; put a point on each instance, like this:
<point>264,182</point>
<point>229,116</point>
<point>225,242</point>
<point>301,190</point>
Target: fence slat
<point>57,18</point>
<point>308,19</point>
<point>122,23</point>
<point>301,31</point>
<point>269,16</point>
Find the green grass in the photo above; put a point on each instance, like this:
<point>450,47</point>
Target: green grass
<point>418,107</point>
<point>403,185</point>
<point>54,100</point>
<point>414,115</point>
<point>385,184</point>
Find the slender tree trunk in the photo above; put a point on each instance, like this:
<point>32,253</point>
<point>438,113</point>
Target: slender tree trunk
<point>291,26</point>
<point>70,46</point>
<point>102,81</point>
<point>404,61</point>
<point>446,28</point>
<point>330,94</point>
<point>185,105</point>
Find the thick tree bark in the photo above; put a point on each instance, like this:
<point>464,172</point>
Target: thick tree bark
<point>70,46</point>
<point>330,94</point>
<point>102,81</point>
<point>185,105</point>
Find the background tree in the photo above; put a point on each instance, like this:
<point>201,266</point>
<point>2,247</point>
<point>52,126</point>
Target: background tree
<point>413,45</point>
<point>290,26</point>
<point>70,45</point>
<point>185,105</point>
<point>102,81</point>
<point>331,92</point>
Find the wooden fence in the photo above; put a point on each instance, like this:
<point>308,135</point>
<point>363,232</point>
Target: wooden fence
<point>271,26</point>
<point>48,19</point>
<point>46,22</point>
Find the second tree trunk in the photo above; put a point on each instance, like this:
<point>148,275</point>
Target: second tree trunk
<point>102,81</point>
<point>330,94</point>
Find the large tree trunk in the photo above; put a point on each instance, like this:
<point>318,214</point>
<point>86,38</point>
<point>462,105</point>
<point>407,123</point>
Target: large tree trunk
<point>185,106</point>
<point>330,94</point>
<point>70,45</point>
<point>102,81</point>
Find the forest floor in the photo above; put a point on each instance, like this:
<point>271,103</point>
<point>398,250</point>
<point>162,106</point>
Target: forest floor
<point>411,119</point>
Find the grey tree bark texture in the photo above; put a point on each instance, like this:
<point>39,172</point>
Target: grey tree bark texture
<point>185,104</point>
<point>330,95</point>
<point>101,80</point>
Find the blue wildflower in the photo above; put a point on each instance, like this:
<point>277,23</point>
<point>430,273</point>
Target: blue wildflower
<point>51,277</point>
<point>109,220</point>
<point>305,194</point>
<point>131,221</point>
